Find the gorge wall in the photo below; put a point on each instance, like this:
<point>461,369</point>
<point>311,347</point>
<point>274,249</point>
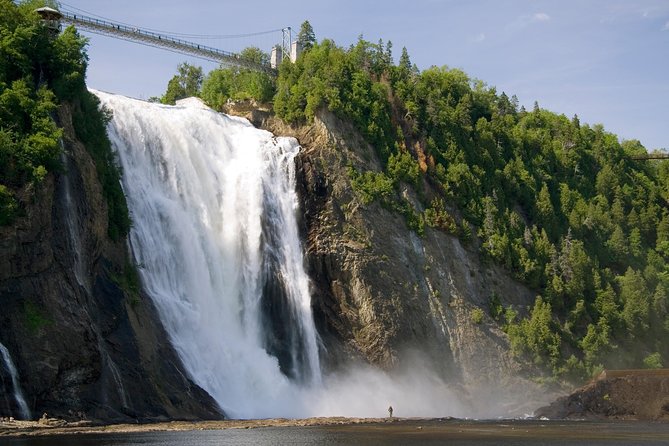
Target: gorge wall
<point>82,343</point>
<point>85,344</point>
<point>386,296</point>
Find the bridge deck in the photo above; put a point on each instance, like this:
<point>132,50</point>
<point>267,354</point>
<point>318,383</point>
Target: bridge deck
<point>164,41</point>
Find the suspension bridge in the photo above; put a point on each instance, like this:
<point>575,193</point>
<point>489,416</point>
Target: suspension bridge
<point>53,18</point>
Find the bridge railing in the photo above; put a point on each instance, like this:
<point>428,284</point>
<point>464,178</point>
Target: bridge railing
<point>161,40</point>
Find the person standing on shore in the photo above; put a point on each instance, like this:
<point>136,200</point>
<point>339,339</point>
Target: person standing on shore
<point>390,411</point>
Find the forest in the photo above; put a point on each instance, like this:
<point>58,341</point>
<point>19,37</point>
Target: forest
<point>563,206</point>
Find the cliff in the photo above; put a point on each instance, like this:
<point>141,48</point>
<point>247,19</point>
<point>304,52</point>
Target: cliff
<point>385,295</point>
<point>625,394</point>
<point>85,343</point>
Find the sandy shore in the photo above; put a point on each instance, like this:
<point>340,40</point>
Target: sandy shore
<point>60,427</point>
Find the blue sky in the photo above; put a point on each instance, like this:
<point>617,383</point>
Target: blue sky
<point>605,60</point>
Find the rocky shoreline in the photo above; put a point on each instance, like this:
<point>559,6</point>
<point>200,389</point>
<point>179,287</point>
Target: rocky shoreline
<point>641,395</point>
<point>53,426</point>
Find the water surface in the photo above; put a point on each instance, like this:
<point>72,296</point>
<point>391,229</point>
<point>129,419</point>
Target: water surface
<point>414,432</point>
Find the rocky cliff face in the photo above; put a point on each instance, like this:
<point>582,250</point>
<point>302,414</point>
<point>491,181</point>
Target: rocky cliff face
<point>628,395</point>
<point>84,346</point>
<point>382,293</point>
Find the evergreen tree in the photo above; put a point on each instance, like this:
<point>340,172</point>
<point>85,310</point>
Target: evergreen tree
<point>405,61</point>
<point>636,302</point>
<point>306,37</point>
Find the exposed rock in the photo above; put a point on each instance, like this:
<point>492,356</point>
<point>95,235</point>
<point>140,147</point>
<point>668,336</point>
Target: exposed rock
<point>633,396</point>
<point>82,346</point>
<point>382,292</point>
<point>85,348</point>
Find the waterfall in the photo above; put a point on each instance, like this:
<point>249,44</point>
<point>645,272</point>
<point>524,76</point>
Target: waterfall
<point>18,393</point>
<point>72,222</point>
<point>214,233</point>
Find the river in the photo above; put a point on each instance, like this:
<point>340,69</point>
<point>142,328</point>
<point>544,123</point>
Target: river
<point>409,432</point>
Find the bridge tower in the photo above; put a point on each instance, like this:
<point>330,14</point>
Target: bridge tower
<point>286,40</point>
<point>279,52</point>
<point>276,57</point>
<point>295,50</point>
<point>288,48</point>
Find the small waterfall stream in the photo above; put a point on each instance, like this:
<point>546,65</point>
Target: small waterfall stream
<point>72,221</point>
<point>18,393</point>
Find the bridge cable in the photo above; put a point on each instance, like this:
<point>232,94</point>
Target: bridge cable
<point>170,33</point>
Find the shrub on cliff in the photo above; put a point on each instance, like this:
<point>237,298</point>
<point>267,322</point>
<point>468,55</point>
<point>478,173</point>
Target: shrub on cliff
<point>40,70</point>
<point>28,134</point>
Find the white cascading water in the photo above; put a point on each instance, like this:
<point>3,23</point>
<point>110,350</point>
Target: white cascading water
<point>214,232</point>
<point>18,393</point>
<point>201,187</point>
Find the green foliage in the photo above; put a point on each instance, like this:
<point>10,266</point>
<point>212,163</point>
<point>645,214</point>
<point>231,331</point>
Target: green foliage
<point>436,216</point>
<point>129,281</point>
<point>34,317</point>
<point>495,308</point>
<point>345,82</point>
<point>236,83</point>
<point>70,72</point>
<point>8,206</point>
<point>90,125</point>
<point>372,186</point>
<point>255,54</point>
<point>537,336</point>
<point>596,343</point>
<point>34,66</point>
<point>28,133</point>
<point>560,204</point>
<point>306,37</point>
<point>634,295</point>
<point>653,361</point>
<point>477,316</point>
<point>42,71</point>
<point>186,83</point>
<point>403,167</point>
<point>414,220</point>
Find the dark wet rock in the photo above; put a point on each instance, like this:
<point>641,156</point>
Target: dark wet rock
<point>84,347</point>
<point>636,396</point>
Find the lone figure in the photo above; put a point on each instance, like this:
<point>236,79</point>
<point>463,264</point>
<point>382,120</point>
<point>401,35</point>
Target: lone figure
<point>390,411</point>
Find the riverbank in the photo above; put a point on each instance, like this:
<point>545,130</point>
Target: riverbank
<point>641,395</point>
<point>339,430</point>
<point>54,426</point>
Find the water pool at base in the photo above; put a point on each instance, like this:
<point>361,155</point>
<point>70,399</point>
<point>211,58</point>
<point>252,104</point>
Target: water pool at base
<point>410,432</point>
